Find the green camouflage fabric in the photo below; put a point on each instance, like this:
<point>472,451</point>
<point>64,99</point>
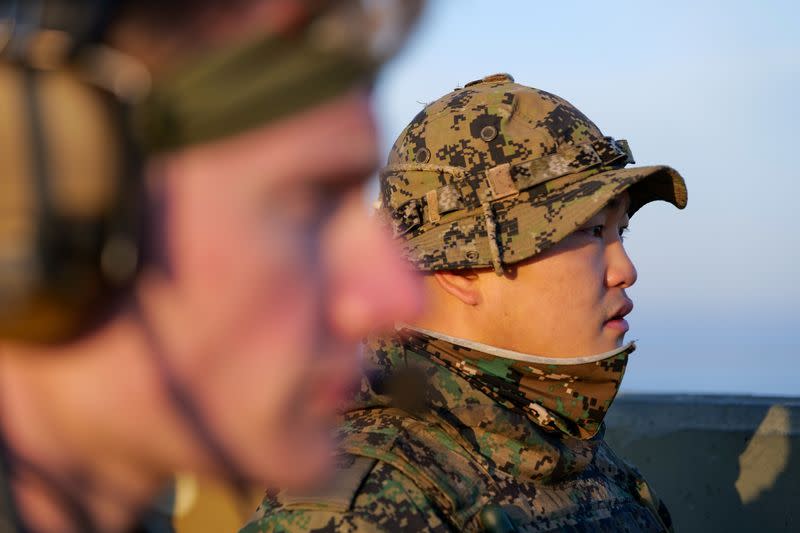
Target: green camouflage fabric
<point>496,172</point>
<point>570,395</point>
<point>425,450</point>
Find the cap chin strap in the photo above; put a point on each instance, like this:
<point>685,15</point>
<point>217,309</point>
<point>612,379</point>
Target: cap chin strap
<point>491,235</point>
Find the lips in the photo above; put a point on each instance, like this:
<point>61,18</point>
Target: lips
<point>617,321</point>
<point>622,311</point>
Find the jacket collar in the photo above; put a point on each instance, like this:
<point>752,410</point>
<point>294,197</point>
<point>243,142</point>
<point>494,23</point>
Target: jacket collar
<point>405,376</point>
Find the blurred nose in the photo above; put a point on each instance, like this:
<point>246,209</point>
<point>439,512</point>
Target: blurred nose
<point>371,286</point>
<point>620,270</point>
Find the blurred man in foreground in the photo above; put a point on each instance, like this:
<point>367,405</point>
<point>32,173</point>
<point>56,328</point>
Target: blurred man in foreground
<point>486,413</point>
<point>196,309</point>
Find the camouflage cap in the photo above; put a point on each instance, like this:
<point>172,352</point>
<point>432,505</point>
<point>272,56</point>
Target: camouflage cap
<point>496,172</point>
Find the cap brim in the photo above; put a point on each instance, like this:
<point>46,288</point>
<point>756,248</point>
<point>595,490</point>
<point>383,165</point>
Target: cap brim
<point>535,219</point>
<point>543,219</point>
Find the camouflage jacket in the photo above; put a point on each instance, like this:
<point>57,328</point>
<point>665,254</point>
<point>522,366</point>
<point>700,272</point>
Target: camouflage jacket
<point>423,450</point>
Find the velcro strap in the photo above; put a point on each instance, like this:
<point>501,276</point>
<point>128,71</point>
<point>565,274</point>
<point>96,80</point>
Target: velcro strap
<point>406,217</point>
<point>500,181</point>
<point>622,143</point>
<point>506,180</point>
<point>439,202</point>
<point>570,160</point>
<point>432,199</point>
<point>449,199</point>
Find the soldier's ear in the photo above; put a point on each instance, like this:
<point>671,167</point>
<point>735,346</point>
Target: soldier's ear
<point>461,284</point>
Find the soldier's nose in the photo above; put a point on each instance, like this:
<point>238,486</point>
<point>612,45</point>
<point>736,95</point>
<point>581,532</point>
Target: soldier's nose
<point>620,270</point>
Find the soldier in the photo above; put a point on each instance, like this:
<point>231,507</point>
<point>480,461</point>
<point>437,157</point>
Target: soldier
<point>182,286</point>
<point>487,413</point>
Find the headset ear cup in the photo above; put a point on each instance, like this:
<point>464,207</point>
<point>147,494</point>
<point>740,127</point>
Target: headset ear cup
<point>19,278</point>
<point>77,219</point>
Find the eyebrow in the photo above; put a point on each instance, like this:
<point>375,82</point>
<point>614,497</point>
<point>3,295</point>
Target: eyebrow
<point>343,179</point>
<point>341,174</point>
<point>615,203</point>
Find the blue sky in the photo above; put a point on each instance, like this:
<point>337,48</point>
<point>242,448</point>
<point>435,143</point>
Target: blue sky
<point>710,88</point>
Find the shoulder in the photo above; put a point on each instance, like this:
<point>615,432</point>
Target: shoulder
<point>427,451</point>
<point>630,476</point>
<point>366,496</point>
<point>397,472</point>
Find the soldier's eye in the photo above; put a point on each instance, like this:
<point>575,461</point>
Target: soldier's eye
<point>596,231</point>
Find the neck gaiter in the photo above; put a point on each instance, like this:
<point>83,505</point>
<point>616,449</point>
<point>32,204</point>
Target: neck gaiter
<point>571,395</point>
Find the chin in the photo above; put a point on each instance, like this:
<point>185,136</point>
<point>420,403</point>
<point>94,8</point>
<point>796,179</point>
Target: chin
<point>618,343</point>
<point>608,343</point>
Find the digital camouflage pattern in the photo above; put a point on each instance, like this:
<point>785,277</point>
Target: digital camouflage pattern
<point>496,172</point>
<point>449,438</point>
<point>558,393</point>
<point>425,450</point>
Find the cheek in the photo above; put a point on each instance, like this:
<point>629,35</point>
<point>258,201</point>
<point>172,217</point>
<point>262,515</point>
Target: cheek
<point>575,286</point>
<point>236,277</point>
<point>555,298</point>
<point>252,317</point>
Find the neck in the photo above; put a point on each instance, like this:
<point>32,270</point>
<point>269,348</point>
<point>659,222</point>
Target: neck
<point>72,419</point>
<point>443,314</point>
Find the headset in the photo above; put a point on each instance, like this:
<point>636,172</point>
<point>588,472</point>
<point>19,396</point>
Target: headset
<point>76,117</point>
<point>71,191</point>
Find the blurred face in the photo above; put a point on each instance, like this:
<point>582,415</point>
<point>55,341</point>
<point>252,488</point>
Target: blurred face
<point>272,273</point>
<point>570,300</point>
